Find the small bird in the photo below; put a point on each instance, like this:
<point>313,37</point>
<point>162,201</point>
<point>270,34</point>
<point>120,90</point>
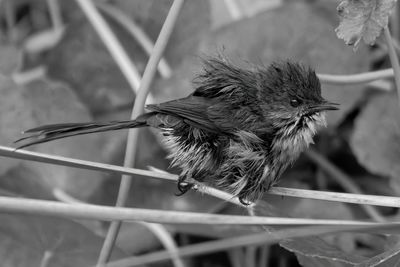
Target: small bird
<point>238,131</point>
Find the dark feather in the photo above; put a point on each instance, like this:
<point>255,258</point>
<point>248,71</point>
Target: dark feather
<point>52,132</point>
<point>192,109</point>
<point>237,131</point>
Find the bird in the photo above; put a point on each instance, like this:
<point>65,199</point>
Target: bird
<point>237,131</point>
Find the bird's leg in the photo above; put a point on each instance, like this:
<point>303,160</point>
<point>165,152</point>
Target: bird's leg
<point>183,186</point>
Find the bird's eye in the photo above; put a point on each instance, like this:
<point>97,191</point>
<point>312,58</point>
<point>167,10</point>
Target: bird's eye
<point>294,103</point>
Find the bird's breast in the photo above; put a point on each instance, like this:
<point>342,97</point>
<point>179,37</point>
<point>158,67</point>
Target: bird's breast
<point>293,139</point>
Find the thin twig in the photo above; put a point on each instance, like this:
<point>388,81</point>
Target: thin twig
<point>107,213</point>
<point>63,196</point>
<point>140,36</point>
<point>9,10</point>
<point>355,78</point>
<point>376,200</point>
<point>360,199</point>
<point>157,229</point>
<point>233,242</point>
<point>264,255</point>
<point>394,60</point>
<point>47,256</point>
<point>10,152</point>
<point>43,40</point>
<point>234,10</point>
<point>166,239</point>
<point>30,75</point>
<point>55,14</point>
<point>250,256</point>
<point>96,166</point>
<point>344,180</point>
<point>236,256</point>
<point>131,147</point>
<point>394,22</point>
<point>111,42</point>
<point>382,85</point>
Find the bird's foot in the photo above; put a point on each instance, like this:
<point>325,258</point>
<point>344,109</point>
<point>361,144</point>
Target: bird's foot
<point>245,202</point>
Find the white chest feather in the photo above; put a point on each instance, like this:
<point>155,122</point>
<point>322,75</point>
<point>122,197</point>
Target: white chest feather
<point>187,156</point>
<point>293,140</point>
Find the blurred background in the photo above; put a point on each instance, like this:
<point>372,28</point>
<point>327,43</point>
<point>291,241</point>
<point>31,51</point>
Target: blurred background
<point>54,68</point>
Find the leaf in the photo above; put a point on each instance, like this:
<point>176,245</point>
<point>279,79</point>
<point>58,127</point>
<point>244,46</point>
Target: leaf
<point>313,251</point>
<point>390,257</point>
<point>193,21</point>
<point>363,19</point>
<point>375,140</point>
<point>24,181</point>
<point>296,31</point>
<point>44,102</point>
<point>81,60</point>
<point>9,58</point>
<point>29,240</point>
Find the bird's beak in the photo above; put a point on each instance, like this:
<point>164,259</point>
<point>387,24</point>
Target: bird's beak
<point>325,105</point>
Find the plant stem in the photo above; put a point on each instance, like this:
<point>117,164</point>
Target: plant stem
<point>344,180</point>
<point>55,14</point>
<point>234,9</point>
<point>360,199</point>
<point>228,243</point>
<point>108,213</point>
<point>111,42</point>
<point>140,36</point>
<point>158,230</point>
<point>10,152</point>
<point>311,194</point>
<point>46,258</point>
<point>167,241</point>
<point>394,60</point>
<point>131,147</point>
<point>355,78</point>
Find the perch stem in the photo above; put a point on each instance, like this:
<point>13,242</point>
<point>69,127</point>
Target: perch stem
<point>394,60</point>
<point>131,147</point>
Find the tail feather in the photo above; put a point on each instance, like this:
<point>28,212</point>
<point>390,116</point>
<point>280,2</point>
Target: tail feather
<point>46,133</point>
<point>49,127</point>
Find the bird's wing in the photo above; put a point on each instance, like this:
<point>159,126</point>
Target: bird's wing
<point>192,110</point>
<point>218,115</point>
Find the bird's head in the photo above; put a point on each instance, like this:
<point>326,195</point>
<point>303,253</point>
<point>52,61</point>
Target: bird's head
<point>291,97</point>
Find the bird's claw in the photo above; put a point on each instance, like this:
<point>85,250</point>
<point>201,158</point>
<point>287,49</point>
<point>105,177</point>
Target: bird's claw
<point>183,187</point>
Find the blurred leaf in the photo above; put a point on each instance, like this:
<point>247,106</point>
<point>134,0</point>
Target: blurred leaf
<point>180,83</point>
<point>328,250</point>
<point>308,208</point>
<point>130,232</point>
<point>221,14</point>
<point>29,240</point>
<point>319,209</point>
<point>388,258</point>
<point>313,251</point>
<point>193,21</point>
<point>44,102</point>
<point>9,59</point>
<point>296,31</point>
<point>375,140</point>
<point>24,181</point>
<point>81,60</point>
<point>9,104</point>
<point>363,19</point>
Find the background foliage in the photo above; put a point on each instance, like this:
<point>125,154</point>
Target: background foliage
<point>63,73</point>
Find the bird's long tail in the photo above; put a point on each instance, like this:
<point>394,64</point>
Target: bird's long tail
<point>51,132</point>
